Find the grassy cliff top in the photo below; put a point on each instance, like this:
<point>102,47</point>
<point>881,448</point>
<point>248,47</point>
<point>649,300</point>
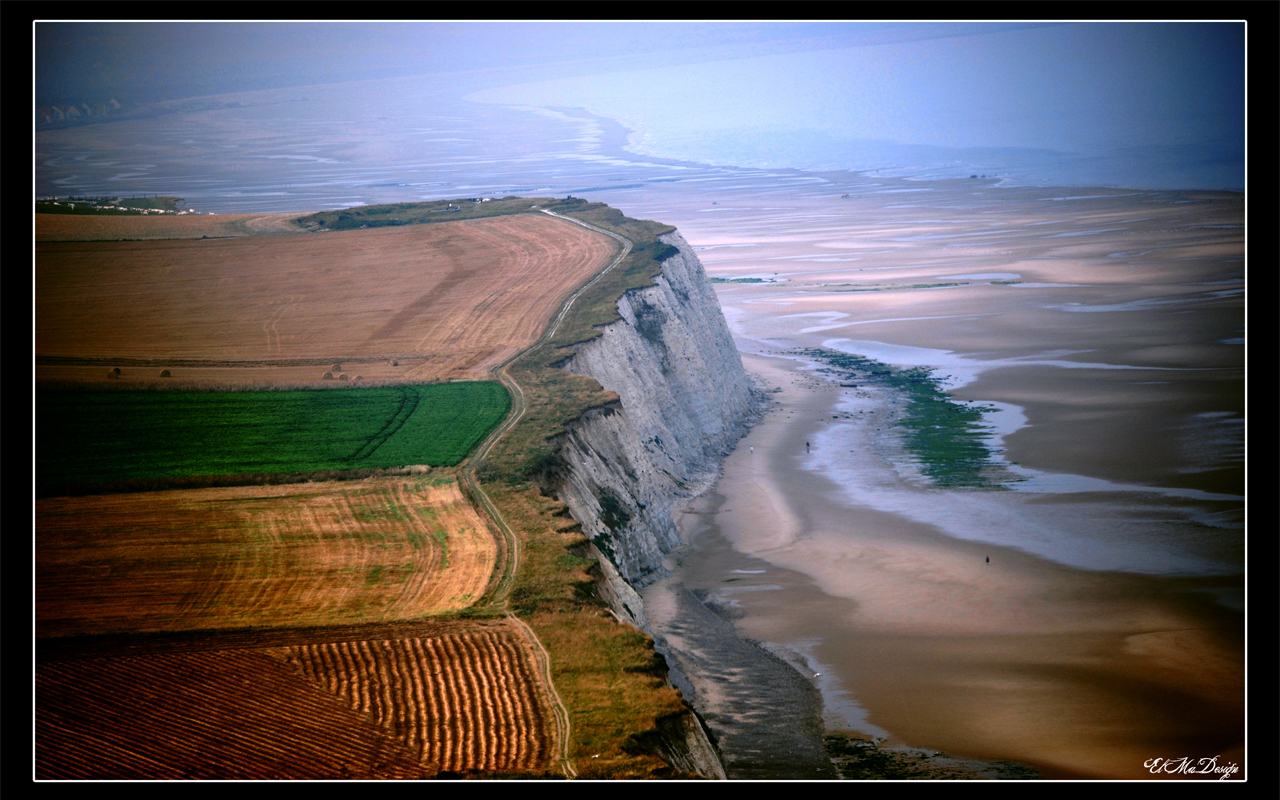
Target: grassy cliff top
<point>392,214</point>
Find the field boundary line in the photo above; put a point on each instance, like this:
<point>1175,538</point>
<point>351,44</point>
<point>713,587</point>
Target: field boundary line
<point>558,710</point>
<point>518,406</point>
<point>626,243</point>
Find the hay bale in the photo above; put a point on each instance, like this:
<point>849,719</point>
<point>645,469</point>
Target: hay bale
<point>116,371</point>
<point>393,362</point>
<point>336,368</point>
<point>344,377</point>
<point>113,374</point>
<point>357,378</point>
<point>328,376</point>
<point>164,373</point>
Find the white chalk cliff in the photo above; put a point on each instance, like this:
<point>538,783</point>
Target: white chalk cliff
<point>685,401</point>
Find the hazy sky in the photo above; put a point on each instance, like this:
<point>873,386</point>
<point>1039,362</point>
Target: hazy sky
<point>1077,87</point>
<point>801,94</point>
<point>153,60</point>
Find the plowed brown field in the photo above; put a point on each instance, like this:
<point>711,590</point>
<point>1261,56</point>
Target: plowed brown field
<point>258,557</point>
<point>446,300</point>
<point>228,714</point>
<point>386,708</point>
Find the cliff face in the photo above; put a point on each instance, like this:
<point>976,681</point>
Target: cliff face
<point>685,401</point>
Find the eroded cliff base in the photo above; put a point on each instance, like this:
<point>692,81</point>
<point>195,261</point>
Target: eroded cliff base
<point>766,718</point>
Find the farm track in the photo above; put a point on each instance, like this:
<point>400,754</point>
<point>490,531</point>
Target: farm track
<point>408,400</point>
<point>518,406</point>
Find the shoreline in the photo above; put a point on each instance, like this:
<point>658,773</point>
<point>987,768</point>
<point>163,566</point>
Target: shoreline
<point>1019,660</point>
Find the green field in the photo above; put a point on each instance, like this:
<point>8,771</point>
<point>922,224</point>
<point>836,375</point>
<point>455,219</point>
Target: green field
<point>86,438</point>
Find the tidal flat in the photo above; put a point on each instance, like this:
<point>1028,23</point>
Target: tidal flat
<point>1084,616</point>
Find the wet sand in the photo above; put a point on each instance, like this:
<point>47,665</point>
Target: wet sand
<point>764,714</point>
<point>1076,673</point>
<point>1107,628</point>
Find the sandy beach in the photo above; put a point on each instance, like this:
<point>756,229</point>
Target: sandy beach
<point>1081,619</point>
<point>1076,673</point>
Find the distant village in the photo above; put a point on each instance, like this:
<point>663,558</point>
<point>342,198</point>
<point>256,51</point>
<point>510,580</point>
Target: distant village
<point>112,205</point>
<point>86,113</point>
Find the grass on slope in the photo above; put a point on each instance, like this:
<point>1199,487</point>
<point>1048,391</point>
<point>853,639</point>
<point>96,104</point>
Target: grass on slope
<point>607,672</point>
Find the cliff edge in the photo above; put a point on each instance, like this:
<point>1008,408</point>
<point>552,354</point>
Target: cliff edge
<point>685,401</point>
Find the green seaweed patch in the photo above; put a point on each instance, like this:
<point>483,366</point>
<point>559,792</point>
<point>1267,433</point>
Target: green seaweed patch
<point>948,438</point>
<point>740,280</point>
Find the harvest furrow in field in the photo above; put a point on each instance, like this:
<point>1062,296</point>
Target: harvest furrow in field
<point>460,705</point>
<point>209,714</point>
<point>519,750</point>
<point>502,711</point>
<point>472,705</point>
<point>460,701</point>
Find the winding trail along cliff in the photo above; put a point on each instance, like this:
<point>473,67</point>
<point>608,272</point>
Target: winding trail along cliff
<point>685,400</point>
<point>671,342</point>
<point>625,468</point>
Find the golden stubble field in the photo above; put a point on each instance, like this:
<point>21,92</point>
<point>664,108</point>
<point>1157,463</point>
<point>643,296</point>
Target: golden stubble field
<point>444,301</point>
<point>278,632</point>
<point>298,555</point>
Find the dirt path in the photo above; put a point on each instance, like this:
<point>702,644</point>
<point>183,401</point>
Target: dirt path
<point>518,406</point>
<point>270,223</point>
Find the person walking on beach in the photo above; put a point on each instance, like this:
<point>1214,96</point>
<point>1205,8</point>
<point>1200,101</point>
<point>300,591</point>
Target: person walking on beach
<point>806,447</point>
